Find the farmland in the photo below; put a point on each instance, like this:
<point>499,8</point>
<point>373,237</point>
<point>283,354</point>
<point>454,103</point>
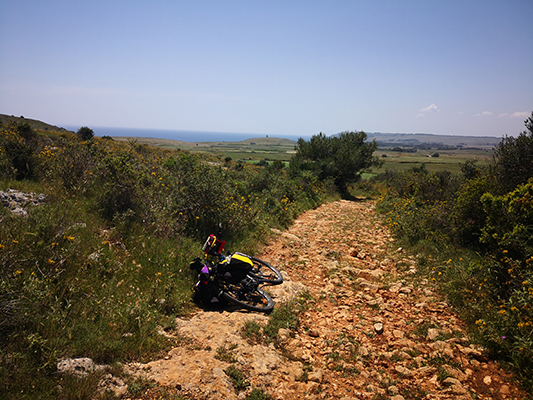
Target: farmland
<point>398,151</point>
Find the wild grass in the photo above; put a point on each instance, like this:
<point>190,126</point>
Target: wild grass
<point>238,380</point>
<point>259,394</point>
<point>102,266</point>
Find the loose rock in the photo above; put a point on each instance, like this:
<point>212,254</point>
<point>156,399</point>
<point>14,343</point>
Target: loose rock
<point>341,349</point>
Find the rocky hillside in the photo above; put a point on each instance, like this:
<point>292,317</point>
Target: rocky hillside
<point>373,329</point>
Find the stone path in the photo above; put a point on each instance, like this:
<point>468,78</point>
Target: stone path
<point>373,329</point>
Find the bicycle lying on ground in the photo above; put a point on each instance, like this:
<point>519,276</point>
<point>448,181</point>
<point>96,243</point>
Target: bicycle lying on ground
<point>236,278</point>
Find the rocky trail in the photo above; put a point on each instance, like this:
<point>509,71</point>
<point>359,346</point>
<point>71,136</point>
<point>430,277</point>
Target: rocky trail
<point>373,329</point>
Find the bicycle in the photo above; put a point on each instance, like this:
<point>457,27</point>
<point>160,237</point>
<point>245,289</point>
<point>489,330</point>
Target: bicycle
<point>234,278</point>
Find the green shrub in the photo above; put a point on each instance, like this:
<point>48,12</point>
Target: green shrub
<point>71,162</point>
<point>118,179</point>
<point>341,157</point>
<point>205,196</point>
<point>503,312</point>
<point>252,331</point>
<point>237,378</point>
<point>259,394</point>
<point>513,159</point>
<point>509,226</point>
<point>85,133</point>
<point>418,204</point>
<point>284,316</point>
<point>468,216</point>
<point>17,155</point>
<point>490,212</point>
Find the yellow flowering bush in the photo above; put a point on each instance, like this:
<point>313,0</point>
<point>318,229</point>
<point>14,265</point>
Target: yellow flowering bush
<point>489,212</point>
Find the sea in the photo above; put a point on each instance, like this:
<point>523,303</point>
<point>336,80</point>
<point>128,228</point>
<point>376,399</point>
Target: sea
<point>184,136</point>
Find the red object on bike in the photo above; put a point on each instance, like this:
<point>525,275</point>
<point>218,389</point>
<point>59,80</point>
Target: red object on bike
<point>213,245</point>
<point>219,246</point>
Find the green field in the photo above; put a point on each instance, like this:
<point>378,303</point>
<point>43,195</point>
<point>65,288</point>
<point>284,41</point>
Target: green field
<point>270,149</point>
<point>249,150</point>
<point>450,160</point>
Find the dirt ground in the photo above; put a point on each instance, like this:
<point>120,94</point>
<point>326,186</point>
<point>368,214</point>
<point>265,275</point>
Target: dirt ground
<point>374,329</point>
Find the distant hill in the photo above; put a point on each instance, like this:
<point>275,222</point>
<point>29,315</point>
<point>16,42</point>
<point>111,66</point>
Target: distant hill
<point>35,124</point>
<point>422,140</point>
<point>269,141</point>
<point>385,140</point>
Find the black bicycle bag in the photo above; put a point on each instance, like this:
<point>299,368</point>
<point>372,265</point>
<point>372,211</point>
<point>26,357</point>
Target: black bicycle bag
<point>236,267</point>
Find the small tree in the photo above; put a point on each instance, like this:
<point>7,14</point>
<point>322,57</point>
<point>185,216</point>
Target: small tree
<point>85,133</point>
<point>513,159</point>
<point>25,130</point>
<point>342,157</point>
<point>277,165</point>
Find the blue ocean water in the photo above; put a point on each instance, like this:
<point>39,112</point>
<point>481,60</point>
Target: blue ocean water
<point>185,136</point>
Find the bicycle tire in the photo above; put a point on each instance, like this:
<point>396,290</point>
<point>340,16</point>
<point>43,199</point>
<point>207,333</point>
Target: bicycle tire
<point>256,300</point>
<point>264,272</point>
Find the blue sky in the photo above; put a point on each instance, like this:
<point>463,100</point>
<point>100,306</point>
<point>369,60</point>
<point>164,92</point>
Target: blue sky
<point>283,68</point>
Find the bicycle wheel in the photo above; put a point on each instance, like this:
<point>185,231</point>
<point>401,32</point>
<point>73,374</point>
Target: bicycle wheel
<point>254,300</point>
<point>264,272</point>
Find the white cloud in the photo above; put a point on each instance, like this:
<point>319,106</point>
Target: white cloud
<point>520,114</point>
<point>484,114</point>
<point>420,116</point>
<point>460,112</point>
<point>430,108</point>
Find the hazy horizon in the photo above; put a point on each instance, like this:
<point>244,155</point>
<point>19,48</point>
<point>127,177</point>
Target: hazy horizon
<point>176,134</point>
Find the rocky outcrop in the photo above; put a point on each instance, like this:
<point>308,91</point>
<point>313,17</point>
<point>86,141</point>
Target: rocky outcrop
<point>82,367</point>
<point>17,201</point>
<point>197,368</point>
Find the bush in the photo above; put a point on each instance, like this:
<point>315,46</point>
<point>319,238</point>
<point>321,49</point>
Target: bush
<point>118,180</point>
<point>342,158</point>
<point>513,159</point>
<point>468,216</point>
<point>418,203</point>
<point>241,198</point>
<point>205,196</point>
<point>500,307</point>
<point>259,394</point>
<point>73,163</point>
<point>17,152</point>
<point>85,133</point>
<point>509,226</point>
